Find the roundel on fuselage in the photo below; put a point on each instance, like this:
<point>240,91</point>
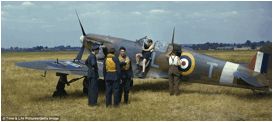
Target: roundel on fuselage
<point>187,63</point>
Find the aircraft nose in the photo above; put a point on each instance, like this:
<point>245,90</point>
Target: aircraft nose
<point>81,39</point>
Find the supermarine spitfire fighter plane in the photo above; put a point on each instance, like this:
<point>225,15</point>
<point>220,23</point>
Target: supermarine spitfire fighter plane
<point>196,67</point>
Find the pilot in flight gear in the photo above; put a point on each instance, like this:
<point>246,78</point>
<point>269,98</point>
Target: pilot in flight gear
<point>60,86</point>
<point>111,73</point>
<point>126,74</point>
<point>91,63</point>
<point>146,54</point>
<point>174,74</point>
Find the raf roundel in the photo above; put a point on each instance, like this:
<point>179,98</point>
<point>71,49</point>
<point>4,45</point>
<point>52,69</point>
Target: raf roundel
<point>187,63</point>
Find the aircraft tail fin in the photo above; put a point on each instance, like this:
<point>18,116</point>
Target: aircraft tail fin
<point>262,62</point>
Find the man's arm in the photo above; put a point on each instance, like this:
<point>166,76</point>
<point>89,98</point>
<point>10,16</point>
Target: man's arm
<point>131,71</point>
<point>150,48</point>
<point>104,68</point>
<point>143,48</point>
<point>178,61</point>
<point>122,63</point>
<point>118,68</point>
<point>94,63</point>
<point>168,54</point>
<point>86,62</point>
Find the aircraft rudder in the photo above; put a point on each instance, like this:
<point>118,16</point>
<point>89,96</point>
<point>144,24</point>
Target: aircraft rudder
<point>262,62</point>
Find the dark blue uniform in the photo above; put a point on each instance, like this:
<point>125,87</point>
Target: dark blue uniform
<point>92,76</point>
<point>126,80</point>
<point>112,79</point>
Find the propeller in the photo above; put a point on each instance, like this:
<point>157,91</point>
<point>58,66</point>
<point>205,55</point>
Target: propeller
<point>173,37</point>
<point>79,56</point>
<point>83,33</point>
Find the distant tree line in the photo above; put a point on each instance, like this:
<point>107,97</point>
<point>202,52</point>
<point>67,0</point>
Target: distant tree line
<point>42,48</point>
<point>214,46</point>
<point>205,46</point>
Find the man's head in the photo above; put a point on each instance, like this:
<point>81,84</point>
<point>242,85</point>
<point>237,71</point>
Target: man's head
<point>112,51</point>
<point>95,49</point>
<point>122,51</point>
<point>150,42</point>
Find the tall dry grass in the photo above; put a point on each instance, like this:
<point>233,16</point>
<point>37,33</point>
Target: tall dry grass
<point>25,93</point>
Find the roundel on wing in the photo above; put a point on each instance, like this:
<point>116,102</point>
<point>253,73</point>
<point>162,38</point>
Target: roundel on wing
<point>187,63</point>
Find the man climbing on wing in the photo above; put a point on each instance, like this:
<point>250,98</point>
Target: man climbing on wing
<point>146,54</point>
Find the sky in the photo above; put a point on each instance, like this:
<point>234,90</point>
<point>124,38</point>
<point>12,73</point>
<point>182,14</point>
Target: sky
<point>50,23</point>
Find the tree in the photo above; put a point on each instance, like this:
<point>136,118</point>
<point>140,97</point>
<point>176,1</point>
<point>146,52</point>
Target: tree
<point>239,46</point>
<point>204,47</point>
<point>262,42</point>
<point>214,46</point>
<point>193,46</point>
<point>248,42</point>
<point>221,45</point>
<point>253,46</point>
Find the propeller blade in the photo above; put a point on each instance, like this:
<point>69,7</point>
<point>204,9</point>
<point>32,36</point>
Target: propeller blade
<point>83,33</point>
<point>79,56</point>
<point>173,35</point>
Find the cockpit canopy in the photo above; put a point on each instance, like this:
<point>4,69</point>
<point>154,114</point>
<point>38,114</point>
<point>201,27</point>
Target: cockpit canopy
<point>161,46</point>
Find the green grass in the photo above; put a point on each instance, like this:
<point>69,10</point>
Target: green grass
<point>232,55</point>
<point>25,93</point>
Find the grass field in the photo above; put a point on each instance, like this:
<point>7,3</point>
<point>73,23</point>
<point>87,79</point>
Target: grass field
<point>25,93</point>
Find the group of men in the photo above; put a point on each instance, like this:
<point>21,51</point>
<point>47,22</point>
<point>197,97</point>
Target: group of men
<point>117,72</point>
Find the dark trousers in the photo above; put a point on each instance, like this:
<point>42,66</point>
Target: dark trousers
<point>109,84</point>
<point>93,91</point>
<point>124,86</point>
<point>174,78</point>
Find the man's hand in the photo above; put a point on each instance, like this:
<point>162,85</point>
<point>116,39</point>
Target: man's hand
<point>127,61</point>
<point>120,81</point>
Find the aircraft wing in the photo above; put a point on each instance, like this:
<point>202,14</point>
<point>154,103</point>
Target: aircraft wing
<point>71,67</point>
<point>61,66</point>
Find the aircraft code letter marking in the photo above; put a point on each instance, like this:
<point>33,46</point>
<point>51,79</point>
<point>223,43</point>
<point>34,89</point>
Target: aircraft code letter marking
<point>211,67</point>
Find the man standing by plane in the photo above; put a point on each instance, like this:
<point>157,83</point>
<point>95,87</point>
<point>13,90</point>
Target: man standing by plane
<point>92,76</point>
<point>126,74</point>
<point>111,73</point>
<point>174,74</point>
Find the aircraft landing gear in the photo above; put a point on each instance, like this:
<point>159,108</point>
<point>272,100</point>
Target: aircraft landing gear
<point>257,94</point>
<point>60,86</point>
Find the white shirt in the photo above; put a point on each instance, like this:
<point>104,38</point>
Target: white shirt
<point>173,60</point>
<point>151,47</point>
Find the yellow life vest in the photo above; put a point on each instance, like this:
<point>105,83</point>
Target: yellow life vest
<point>110,64</point>
<point>127,66</point>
